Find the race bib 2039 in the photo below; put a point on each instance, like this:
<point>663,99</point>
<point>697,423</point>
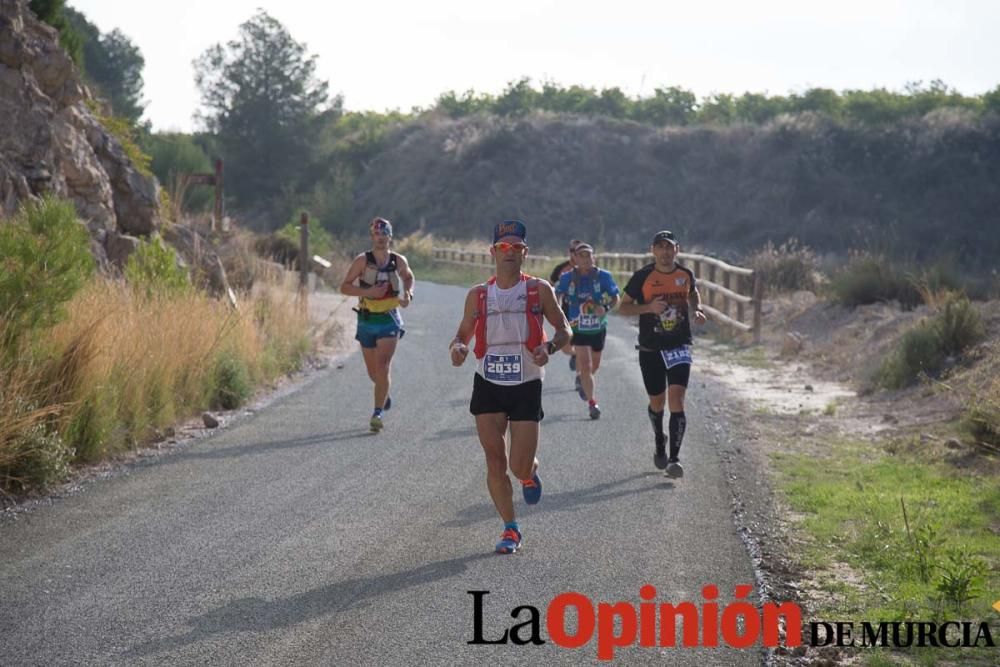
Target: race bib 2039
<point>502,367</point>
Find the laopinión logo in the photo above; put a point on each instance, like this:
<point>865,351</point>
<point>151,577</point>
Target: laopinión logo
<point>738,624</point>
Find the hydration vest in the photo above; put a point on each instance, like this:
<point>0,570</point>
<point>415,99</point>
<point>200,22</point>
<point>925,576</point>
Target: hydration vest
<point>532,310</point>
<point>369,278</point>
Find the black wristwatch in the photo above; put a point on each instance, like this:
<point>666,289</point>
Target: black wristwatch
<point>551,347</point>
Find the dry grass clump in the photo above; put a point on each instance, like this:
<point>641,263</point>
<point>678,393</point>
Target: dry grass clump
<point>982,410</point>
<point>418,248</point>
<point>30,453</point>
<point>124,364</point>
<point>785,268</point>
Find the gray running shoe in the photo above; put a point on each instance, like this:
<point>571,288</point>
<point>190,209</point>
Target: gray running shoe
<point>674,469</point>
<point>660,455</point>
<point>595,411</point>
<point>375,423</point>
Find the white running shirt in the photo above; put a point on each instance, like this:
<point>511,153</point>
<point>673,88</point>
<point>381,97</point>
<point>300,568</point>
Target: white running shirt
<point>507,360</point>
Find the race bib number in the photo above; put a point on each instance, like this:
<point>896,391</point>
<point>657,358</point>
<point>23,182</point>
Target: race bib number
<point>589,323</point>
<point>677,356</point>
<point>502,367</point>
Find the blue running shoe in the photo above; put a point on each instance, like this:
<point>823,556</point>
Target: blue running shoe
<point>572,362</point>
<point>532,489</point>
<point>579,389</point>
<point>388,403</point>
<point>510,542</point>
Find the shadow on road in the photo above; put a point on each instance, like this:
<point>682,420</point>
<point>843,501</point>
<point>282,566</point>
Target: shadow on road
<point>259,615</point>
<point>564,501</point>
<point>216,453</point>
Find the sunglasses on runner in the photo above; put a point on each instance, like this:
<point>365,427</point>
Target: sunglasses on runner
<point>503,246</point>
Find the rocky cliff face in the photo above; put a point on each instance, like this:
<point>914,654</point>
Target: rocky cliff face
<point>50,142</point>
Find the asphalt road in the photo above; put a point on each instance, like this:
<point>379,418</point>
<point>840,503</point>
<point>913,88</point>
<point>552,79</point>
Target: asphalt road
<point>296,537</point>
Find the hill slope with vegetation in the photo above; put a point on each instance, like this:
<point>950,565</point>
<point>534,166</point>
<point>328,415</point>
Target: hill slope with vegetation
<point>917,188</point>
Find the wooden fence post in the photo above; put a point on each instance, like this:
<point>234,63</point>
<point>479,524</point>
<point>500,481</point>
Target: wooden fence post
<point>758,292</point>
<point>711,279</point>
<point>218,211</point>
<point>740,310</point>
<point>304,261</point>
<point>725,298</point>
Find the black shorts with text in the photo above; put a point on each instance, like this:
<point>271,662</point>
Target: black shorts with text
<point>655,375</point>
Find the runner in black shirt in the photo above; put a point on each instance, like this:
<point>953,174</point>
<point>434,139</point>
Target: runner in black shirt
<point>664,296</point>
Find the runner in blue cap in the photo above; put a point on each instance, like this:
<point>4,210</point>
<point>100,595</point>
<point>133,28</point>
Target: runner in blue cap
<point>505,315</point>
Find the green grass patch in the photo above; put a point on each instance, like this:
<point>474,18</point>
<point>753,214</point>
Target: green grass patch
<point>939,561</point>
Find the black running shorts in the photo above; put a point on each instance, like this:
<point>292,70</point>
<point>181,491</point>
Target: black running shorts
<point>520,402</point>
<point>594,341</point>
<point>655,375</point>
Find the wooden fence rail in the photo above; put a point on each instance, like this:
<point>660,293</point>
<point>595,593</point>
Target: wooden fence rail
<point>727,290</point>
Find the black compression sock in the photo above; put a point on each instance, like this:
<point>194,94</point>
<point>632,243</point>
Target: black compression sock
<point>656,419</point>
<point>678,423</point>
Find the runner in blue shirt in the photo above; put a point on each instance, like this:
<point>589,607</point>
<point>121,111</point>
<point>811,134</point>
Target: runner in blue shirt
<point>589,293</point>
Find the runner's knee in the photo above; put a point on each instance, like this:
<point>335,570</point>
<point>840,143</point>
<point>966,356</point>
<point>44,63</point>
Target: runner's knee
<point>496,464</point>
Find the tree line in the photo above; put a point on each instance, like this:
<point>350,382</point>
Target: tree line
<point>288,143</point>
<point>676,106</point>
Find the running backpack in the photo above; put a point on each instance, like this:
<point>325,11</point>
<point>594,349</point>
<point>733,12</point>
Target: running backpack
<point>533,311</point>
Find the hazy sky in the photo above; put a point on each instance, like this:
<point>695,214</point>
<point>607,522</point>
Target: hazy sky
<point>386,54</point>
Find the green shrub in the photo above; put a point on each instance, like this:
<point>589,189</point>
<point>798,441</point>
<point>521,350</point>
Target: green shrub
<point>123,130</point>
<point>787,267</point>
<point>961,578</point>
<point>44,460</point>
<point>153,269</point>
<point>32,454</point>
<point>173,154</point>
<point>939,277</point>
<point>70,39</point>
<point>233,385</point>
<point>871,278</point>
<point>44,260</point>
<point>925,348</point>
<point>958,326</point>
<point>320,241</point>
<point>918,351</point>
